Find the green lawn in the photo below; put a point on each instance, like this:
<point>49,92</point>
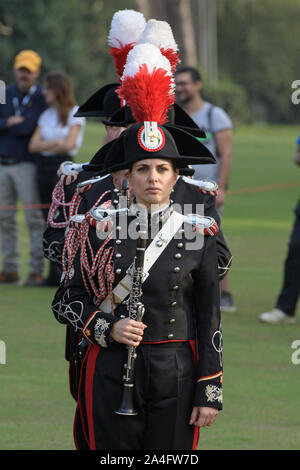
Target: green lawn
<point>261,385</point>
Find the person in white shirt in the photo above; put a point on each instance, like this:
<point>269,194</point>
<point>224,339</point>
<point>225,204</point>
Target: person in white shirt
<point>218,128</point>
<point>57,138</point>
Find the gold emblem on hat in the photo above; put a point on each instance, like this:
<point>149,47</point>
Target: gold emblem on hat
<point>152,135</point>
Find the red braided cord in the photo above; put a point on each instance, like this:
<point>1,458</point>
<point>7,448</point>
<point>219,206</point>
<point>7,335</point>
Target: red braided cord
<point>58,200</point>
<point>100,262</point>
<point>74,234</point>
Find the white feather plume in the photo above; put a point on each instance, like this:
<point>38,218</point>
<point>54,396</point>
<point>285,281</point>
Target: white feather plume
<point>126,27</point>
<point>145,54</point>
<point>158,33</point>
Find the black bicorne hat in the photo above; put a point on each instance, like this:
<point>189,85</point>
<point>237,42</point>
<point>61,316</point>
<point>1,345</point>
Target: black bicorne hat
<point>104,102</point>
<point>97,162</point>
<point>176,117</point>
<point>120,118</point>
<point>168,143</point>
<point>183,121</point>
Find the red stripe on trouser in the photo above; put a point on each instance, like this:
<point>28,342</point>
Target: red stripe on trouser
<point>70,388</point>
<point>74,428</point>
<point>195,356</point>
<point>89,382</point>
<point>196,438</point>
<point>79,404</point>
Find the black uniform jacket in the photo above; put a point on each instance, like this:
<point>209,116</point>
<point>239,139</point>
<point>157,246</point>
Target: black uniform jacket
<point>180,295</point>
<point>185,192</point>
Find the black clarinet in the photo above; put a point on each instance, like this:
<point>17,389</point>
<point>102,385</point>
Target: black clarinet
<point>126,191</point>
<point>136,311</point>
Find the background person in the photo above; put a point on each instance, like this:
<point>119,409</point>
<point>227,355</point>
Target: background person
<point>218,127</point>
<point>57,138</point>
<point>285,308</point>
<point>18,119</point>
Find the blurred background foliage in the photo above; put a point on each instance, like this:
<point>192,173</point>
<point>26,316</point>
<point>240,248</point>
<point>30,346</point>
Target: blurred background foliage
<point>257,46</point>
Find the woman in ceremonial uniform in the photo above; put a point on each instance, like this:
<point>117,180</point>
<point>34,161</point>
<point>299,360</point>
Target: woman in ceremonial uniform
<point>178,365</point>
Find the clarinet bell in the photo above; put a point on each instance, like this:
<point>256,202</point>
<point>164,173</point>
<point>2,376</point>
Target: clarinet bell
<point>127,407</point>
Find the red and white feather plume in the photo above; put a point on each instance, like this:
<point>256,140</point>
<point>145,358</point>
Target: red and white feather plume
<point>159,33</point>
<point>125,30</point>
<point>147,84</point>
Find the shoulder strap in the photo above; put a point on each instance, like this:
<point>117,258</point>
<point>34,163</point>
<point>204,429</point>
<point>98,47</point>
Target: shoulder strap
<point>210,117</point>
<point>210,111</point>
<point>152,253</point>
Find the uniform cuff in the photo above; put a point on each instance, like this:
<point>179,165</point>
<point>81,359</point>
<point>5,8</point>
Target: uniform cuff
<point>98,327</point>
<point>209,393</point>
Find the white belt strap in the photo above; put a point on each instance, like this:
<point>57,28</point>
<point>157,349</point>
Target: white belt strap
<point>152,253</point>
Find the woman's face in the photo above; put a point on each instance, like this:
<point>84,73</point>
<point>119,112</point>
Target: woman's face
<point>49,94</point>
<point>152,181</point>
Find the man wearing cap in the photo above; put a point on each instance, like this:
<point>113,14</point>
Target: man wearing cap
<point>18,119</point>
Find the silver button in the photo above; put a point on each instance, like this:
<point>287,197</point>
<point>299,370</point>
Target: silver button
<point>177,269</point>
<point>118,255</point>
<point>172,320</point>
<point>175,287</point>
<point>116,201</point>
<point>180,245</point>
<point>116,190</point>
<point>118,271</point>
<point>118,242</point>
<point>173,304</point>
<point>159,243</point>
<point>177,256</point>
<point>170,336</point>
<point>118,227</point>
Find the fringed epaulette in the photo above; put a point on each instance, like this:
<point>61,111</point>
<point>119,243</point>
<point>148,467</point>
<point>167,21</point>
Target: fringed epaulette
<point>67,174</point>
<point>202,224</point>
<point>76,220</point>
<point>205,186</point>
<point>104,218</point>
<point>69,171</point>
<point>87,184</point>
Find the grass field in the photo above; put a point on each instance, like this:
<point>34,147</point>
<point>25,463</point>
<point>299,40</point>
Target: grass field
<point>261,385</point>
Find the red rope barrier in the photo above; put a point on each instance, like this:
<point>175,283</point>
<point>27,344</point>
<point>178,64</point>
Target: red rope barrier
<point>255,189</point>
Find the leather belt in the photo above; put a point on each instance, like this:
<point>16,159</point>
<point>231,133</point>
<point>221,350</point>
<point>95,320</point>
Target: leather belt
<point>7,160</point>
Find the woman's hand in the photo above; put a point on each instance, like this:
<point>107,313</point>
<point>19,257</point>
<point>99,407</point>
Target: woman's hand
<point>37,144</point>
<point>203,416</point>
<point>128,331</point>
<point>59,146</point>
<point>220,197</point>
<point>13,120</point>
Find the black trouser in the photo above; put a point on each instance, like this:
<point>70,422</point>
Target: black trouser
<point>163,397</point>
<point>47,177</point>
<point>289,294</point>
